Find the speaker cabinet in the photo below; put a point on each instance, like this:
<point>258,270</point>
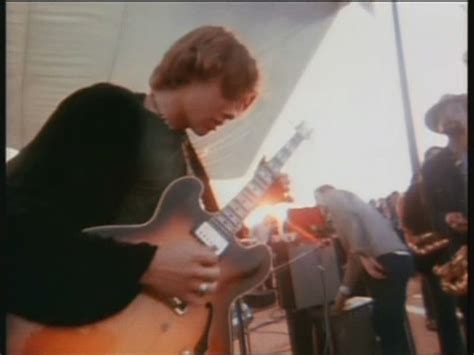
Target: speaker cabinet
<point>351,331</point>
<point>311,277</point>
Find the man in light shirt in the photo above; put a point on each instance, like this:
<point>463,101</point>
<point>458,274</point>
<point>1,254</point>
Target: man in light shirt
<point>372,247</point>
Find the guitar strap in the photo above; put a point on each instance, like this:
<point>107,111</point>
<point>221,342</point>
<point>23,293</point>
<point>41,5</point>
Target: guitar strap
<point>208,198</point>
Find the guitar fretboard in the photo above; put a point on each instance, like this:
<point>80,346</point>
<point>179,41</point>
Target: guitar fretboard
<point>231,217</point>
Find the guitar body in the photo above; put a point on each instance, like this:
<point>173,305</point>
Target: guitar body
<point>149,325</point>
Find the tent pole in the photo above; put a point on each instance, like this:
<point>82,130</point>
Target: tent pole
<point>415,163</point>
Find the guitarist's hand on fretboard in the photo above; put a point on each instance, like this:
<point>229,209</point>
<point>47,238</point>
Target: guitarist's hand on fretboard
<point>279,191</point>
<point>185,270</point>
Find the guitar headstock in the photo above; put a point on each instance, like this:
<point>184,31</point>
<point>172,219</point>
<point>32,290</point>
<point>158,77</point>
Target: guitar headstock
<point>304,129</point>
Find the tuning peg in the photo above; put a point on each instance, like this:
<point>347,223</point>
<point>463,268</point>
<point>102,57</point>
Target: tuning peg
<point>304,129</point>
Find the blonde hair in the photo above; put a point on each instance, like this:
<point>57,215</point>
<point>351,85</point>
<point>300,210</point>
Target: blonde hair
<point>207,53</point>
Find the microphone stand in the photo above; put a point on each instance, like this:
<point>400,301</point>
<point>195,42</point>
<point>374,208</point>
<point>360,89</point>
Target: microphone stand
<point>243,343</point>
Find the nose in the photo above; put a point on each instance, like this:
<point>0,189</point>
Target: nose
<point>218,121</point>
<point>228,116</point>
<point>222,118</point>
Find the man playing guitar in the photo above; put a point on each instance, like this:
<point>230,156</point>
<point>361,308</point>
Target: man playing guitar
<point>105,156</point>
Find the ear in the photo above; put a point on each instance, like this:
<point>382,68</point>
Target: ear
<point>248,100</point>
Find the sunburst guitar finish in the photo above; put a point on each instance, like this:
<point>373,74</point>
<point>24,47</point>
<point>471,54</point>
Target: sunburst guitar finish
<point>151,323</point>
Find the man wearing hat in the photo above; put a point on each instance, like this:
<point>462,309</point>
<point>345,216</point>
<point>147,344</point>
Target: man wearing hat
<point>445,181</point>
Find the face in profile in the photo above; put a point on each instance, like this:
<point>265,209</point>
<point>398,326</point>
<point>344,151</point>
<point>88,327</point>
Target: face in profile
<point>203,108</point>
<point>453,119</point>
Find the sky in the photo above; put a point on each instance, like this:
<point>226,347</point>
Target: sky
<point>350,94</point>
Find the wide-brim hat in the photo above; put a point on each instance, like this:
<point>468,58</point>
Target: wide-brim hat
<point>433,115</point>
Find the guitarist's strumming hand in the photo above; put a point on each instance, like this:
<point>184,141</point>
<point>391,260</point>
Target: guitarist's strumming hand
<point>186,270</point>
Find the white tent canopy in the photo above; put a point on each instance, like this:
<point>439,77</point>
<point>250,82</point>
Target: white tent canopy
<point>55,48</point>
<point>332,65</point>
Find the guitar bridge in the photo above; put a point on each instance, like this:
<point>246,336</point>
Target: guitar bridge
<point>207,234</point>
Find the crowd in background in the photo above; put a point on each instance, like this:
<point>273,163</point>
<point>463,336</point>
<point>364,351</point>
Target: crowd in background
<point>420,231</point>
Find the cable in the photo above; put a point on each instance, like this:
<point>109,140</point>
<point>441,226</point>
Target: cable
<point>264,324</point>
<point>242,342</point>
<point>271,332</point>
<point>327,326</point>
<point>291,261</point>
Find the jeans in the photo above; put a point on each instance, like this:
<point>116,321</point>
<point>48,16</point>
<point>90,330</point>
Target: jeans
<point>449,331</point>
<point>427,296</point>
<point>389,296</point>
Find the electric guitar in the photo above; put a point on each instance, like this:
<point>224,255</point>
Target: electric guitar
<point>153,324</point>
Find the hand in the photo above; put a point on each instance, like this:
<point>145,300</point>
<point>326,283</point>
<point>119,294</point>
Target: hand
<point>178,270</point>
<point>340,302</point>
<point>372,267</point>
<point>457,221</point>
<point>279,190</point>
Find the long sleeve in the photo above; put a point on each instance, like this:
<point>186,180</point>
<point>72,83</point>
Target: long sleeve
<point>350,229</point>
<point>353,265</point>
<point>59,276</point>
<point>73,175</point>
<point>440,194</point>
<point>365,230</point>
<point>353,271</point>
<point>444,193</point>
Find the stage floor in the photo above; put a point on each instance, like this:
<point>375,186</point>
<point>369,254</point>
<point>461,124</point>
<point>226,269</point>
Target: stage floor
<point>268,331</point>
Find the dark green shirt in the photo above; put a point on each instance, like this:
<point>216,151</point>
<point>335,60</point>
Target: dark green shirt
<point>101,158</point>
<point>160,161</point>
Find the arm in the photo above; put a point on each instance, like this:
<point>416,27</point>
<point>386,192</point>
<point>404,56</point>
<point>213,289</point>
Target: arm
<point>351,275</point>
<point>441,192</point>
<point>75,174</point>
<point>347,221</point>
<point>72,176</point>
<point>58,276</point>
<point>352,272</point>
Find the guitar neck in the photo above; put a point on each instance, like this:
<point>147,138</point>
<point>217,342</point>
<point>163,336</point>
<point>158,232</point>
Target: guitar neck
<point>231,217</point>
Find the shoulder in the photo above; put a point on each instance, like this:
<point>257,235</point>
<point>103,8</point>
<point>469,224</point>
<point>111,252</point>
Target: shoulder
<point>98,104</point>
<point>105,88</point>
<point>343,197</point>
<point>337,200</point>
<point>100,91</point>
<point>439,161</point>
<point>334,194</point>
<point>92,112</point>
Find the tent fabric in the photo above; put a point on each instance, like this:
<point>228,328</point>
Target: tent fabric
<point>54,48</point>
<point>10,153</point>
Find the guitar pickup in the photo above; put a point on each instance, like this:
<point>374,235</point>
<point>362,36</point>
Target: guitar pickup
<point>207,234</point>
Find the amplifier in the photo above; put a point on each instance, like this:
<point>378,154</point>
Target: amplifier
<point>351,330</point>
<point>310,279</point>
<point>309,221</point>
